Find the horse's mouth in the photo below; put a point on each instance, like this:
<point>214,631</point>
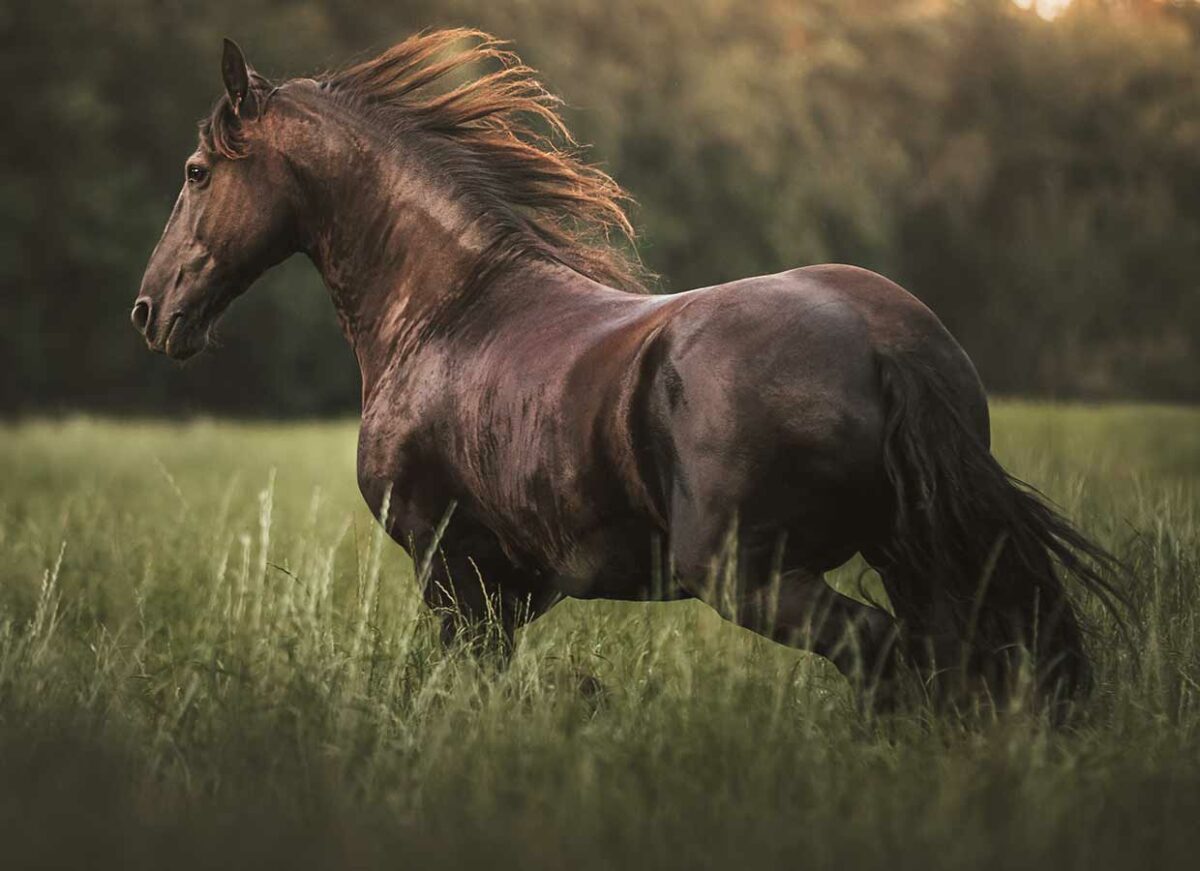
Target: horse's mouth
<point>184,337</point>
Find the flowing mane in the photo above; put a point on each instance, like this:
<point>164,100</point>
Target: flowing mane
<point>499,136</point>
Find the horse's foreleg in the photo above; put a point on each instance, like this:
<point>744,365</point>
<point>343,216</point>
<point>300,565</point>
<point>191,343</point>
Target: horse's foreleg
<point>481,605</point>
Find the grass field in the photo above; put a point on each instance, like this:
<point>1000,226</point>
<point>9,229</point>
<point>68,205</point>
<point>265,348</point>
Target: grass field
<point>210,658</point>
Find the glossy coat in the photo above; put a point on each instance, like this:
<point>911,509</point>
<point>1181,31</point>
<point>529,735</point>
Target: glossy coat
<point>536,433</point>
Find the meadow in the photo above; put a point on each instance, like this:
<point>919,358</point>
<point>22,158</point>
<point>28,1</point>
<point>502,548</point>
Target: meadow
<point>209,656</point>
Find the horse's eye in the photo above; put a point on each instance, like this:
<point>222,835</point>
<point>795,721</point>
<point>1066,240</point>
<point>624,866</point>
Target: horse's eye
<point>196,174</point>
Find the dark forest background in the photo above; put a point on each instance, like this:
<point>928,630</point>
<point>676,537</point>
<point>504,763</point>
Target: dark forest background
<point>1036,182</point>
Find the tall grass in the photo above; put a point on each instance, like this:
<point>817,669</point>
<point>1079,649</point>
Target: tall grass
<point>209,655</point>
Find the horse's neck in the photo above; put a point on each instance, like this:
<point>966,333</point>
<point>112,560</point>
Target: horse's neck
<point>393,249</point>
<point>398,250</point>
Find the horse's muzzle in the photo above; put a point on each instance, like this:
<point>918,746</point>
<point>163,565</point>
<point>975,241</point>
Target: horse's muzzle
<point>177,335</point>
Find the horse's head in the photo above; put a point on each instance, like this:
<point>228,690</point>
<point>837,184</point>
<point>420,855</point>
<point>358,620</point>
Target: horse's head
<point>234,218</point>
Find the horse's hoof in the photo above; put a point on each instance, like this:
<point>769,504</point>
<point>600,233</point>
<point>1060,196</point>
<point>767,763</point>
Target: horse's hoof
<point>590,687</point>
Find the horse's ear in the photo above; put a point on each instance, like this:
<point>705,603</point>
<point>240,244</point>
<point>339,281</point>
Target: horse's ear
<point>236,74</point>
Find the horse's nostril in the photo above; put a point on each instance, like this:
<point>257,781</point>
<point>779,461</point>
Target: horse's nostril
<point>140,314</point>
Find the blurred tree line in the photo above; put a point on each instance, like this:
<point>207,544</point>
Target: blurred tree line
<point>1036,182</point>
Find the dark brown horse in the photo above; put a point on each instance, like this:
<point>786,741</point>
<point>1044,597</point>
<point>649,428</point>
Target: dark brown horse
<point>732,443</point>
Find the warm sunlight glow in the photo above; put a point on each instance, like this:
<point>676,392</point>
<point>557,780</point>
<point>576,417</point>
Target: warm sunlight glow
<point>1046,8</point>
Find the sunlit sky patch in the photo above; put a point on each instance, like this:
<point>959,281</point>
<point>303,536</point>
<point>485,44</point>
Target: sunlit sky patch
<point>1045,8</point>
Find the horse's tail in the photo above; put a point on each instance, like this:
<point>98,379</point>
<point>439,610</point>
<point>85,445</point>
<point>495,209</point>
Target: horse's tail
<point>973,561</point>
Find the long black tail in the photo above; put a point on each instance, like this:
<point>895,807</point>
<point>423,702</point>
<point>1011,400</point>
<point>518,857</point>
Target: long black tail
<point>973,563</point>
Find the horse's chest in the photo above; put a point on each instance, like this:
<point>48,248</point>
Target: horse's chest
<point>401,479</point>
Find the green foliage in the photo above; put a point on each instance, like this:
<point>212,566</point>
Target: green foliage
<point>209,656</point>
<point>1038,183</point>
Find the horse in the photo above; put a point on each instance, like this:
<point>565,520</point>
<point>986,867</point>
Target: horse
<point>730,444</point>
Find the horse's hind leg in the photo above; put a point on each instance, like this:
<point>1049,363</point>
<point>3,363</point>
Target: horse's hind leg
<point>932,644</point>
<point>802,610</point>
<point>798,608</point>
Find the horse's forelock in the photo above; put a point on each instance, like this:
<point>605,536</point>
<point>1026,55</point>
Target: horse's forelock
<point>222,131</point>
